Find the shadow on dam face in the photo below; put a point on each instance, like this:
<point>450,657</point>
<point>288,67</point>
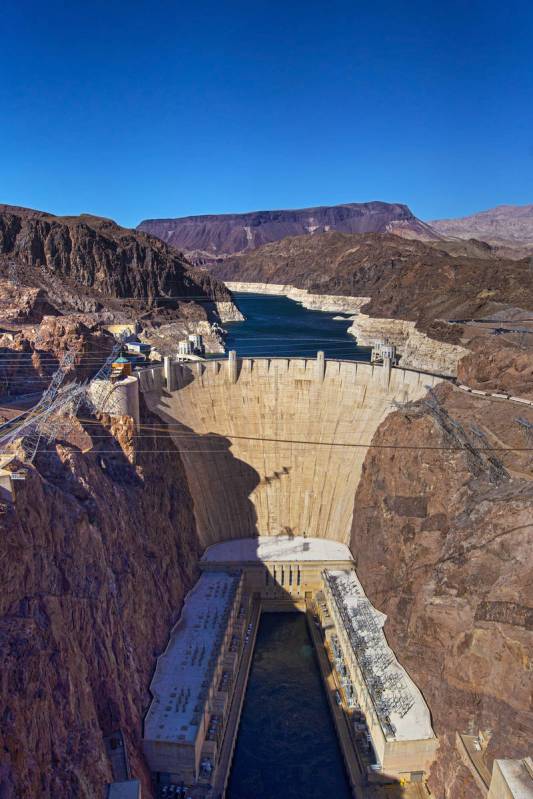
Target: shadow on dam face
<point>276,446</point>
<point>221,484</point>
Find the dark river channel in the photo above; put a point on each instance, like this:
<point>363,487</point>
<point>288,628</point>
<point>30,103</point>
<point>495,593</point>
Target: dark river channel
<point>287,746</point>
<point>277,326</point>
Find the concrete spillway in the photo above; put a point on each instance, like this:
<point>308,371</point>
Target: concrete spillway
<point>276,446</point>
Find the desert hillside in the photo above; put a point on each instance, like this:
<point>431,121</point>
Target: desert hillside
<point>212,237</point>
<point>510,225</point>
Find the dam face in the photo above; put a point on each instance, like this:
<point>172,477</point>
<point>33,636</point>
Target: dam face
<point>273,446</point>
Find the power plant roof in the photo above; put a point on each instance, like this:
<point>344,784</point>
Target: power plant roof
<point>276,548</point>
<point>399,704</point>
<point>184,671</point>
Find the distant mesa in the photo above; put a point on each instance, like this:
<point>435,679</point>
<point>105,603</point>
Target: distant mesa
<point>510,225</point>
<point>213,237</point>
<point>207,239</point>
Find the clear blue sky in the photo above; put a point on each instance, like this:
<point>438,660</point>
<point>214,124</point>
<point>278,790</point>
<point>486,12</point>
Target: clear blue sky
<point>145,109</point>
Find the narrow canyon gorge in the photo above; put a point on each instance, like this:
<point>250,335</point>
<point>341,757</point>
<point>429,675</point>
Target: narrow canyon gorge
<point>102,544</point>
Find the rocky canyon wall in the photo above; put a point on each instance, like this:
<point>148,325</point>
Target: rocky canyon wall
<point>96,555</point>
<point>417,350</point>
<point>442,537</point>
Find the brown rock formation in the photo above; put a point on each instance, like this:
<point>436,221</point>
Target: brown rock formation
<point>405,279</point>
<point>500,364</point>
<point>29,356</point>
<point>443,543</point>
<point>107,261</point>
<point>510,225</point>
<point>205,238</point>
<point>97,554</point>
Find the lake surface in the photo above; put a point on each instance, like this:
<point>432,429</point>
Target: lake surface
<point>278,326</point>
<point>287,746</point>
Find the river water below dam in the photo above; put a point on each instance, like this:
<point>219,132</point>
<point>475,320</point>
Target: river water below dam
<point>287,746</point>
<point>277,326</point>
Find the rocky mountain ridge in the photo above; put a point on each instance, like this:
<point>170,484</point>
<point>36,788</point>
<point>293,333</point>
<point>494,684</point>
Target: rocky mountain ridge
<point>505,231</point>
<point>93,272</point>
<point>510,225</point>
<point>213,237</point>
<point>98,255</point>
<point>404,279</point>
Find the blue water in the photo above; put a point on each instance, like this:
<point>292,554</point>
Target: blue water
<point>286,746</point>
<point>277,326</point>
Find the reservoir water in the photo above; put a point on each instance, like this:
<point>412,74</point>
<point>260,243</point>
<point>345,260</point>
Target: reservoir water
<point>286,746</point>
<point>278,326</point>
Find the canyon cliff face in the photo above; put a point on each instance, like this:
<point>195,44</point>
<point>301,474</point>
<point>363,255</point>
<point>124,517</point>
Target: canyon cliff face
<point>96,254</point>
<point>404,279</point>
<point>418,350</point>
<point>502,364</point>
<point>29,357</point>
<point>96,556</point>
<point>92,270</point>
<point>210,237</point>
<point>443,545</point>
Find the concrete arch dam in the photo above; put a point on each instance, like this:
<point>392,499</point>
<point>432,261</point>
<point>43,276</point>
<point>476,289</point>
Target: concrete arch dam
<point>260,438</point>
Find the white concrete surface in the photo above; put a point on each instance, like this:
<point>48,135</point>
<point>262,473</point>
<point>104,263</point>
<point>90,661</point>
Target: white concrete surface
<point>277,548</point>
<point>512,778</point>
<point>415,724</point>
<point>182,671</point>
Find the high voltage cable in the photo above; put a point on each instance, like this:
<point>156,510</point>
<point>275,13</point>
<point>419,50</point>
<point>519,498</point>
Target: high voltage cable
<point>228,452</point>
<point>354,445</point>
<point>306,343</point>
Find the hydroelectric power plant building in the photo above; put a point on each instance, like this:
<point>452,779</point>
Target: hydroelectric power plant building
<point>396,714</point>
<point>196,682</point>
<point>192,682</point>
